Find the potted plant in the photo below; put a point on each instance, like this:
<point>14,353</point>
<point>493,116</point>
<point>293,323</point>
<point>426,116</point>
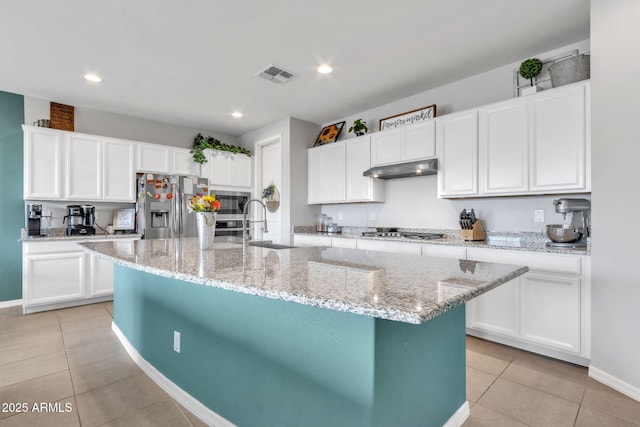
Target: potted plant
<point>529,69</point>
<point>359,127</point>
<point>201,143</point>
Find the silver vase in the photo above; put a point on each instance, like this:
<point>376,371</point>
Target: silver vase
<point>206,223</point>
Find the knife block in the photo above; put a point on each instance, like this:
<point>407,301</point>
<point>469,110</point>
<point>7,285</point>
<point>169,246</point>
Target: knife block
<point>476,233</point>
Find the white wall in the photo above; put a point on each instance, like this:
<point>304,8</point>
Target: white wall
<point>96,122</point>
<point>412,202</point>
<point>616,150</point>
<point>297,136</point>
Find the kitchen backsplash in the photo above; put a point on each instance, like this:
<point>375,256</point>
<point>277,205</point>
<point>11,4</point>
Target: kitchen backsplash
<point>413,203</point>
<point>104,212</point>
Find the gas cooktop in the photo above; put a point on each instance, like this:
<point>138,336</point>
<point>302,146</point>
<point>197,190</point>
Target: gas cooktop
<point>405,234</point>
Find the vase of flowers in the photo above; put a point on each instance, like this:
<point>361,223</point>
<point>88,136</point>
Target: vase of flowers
<point>205,208</point>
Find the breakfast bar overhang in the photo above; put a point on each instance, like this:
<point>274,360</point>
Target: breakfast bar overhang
<point>299,337</point>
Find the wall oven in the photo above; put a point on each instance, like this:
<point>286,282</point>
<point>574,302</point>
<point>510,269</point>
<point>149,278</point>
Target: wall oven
<point>229,222</point>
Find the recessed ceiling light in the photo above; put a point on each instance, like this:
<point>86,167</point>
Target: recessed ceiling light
<point>92,78</point>
<point>324,69</point>
<point>236,114</point>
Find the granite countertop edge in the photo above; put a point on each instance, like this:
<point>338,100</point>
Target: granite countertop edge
<point>60,236</point>
<point>362,309</point>
<point>502,241</point>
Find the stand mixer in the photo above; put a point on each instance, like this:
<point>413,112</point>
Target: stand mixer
<point>574,235</point>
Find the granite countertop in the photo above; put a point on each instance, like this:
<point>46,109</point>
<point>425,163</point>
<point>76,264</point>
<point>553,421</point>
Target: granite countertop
<point>524,241</point>
<point>60,234</point>
<point>405,288</point>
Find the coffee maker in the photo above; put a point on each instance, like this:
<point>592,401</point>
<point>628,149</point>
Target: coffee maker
<point>34,218</point>
<point>80,220</point>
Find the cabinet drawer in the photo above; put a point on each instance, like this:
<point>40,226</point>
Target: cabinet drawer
<point>554,263</point>
<point>337,242</point>
<point>302,240</point>
<point>454,252</point>
<point>393,247</point>
<point>51,247</point>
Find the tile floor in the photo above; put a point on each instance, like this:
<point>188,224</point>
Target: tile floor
<point>71,357</point>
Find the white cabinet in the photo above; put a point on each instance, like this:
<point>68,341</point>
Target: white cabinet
<point>119,173</point>
<point>361,188</point>
<point>440,251</point>
<point>183,163</point>
<point>327,173</point>
<point>58,274</point>
<point>44,159</point>
<point>84,167</point>
<point>387,246</point>
<point>62,165</point>
<point>307,240</point>
<point>558,134</point>
<point>228,170</point>
<point>537,144</point>
<point>457,142</point>
<point>335,173</point>
<point>101,280</point>
<point>547,310</point>
<point>405,144</point>
<point>154,158</point>
<point>504,147</point>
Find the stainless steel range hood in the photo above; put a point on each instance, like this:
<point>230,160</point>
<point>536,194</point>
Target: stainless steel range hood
<point>403,170</point>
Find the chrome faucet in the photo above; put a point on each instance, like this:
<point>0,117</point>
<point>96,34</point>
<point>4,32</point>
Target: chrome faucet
<point>245,230</point>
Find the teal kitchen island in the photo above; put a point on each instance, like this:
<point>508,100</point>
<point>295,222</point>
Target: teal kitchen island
<point>252,336</point>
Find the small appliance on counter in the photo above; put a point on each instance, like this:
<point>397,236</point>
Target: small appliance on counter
<point>34,218</point>
<point>394,233</point>
<point>572,235</point>
<point>472,229</point>
<point>80,220</point>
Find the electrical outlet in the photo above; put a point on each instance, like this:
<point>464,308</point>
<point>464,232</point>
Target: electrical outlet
<point>339,216</point>
<point>176,341</point>
<point>538,215</point>
<point>372,216</point>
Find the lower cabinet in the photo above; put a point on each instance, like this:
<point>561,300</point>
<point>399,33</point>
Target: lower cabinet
<point>58,274</point>
<point>546,311</point>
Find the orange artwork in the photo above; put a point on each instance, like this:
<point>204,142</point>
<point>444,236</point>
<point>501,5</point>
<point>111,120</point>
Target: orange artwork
<point>329,134</point>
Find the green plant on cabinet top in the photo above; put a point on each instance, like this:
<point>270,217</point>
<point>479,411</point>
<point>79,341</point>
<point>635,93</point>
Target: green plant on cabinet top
<point>359,127</point>
<point>201,143</point>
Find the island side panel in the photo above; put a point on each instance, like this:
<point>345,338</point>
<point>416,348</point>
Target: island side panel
<point>420,370</point>
<point>264,362</point>
<point>255,361</point>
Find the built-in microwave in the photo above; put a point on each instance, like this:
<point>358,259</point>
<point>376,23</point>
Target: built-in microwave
<point>232,203</point>
<point>229,218</point>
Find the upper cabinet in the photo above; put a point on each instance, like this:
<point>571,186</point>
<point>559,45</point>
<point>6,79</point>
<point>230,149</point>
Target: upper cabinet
<point>335,173</point>
<point>228,170</point>
<point>409,143</point>
<point>154,158</point>
<point>118,170</point>
<point>558,135</point>
<point>504,144</point>
<point>62,165</point>
<point>537,144</point>
<point>183,163</point>
<point>45,151</point>
<point>457,141</point>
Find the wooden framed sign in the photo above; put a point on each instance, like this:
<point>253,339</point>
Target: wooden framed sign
<point>61,116</point>
<point>408,118</point>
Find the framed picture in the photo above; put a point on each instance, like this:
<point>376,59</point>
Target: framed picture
<point>408,118</point>
<point>329,134</point>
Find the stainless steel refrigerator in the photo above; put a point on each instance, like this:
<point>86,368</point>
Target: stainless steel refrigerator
<point>162,202</point>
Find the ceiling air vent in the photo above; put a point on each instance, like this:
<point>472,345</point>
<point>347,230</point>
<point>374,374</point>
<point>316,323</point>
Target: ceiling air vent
<point>276,74</point>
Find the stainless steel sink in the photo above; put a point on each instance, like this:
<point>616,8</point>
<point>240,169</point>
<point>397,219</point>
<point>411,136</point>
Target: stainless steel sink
<point>270,245</point>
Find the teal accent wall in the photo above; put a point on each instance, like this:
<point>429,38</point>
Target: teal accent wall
<point>264,362</point>
<point>11,202</point>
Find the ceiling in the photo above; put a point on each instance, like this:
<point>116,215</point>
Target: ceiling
<point>193,62</point>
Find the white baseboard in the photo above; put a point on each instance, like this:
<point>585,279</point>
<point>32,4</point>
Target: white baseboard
<point>10,303</point>
<point>615,383</point>
<point>194,406</point>
<point>459,417</point>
